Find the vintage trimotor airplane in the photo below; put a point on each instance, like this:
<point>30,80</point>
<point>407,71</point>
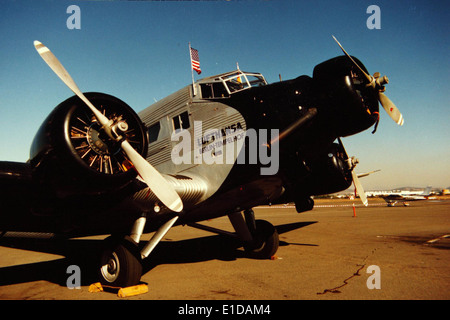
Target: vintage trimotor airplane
<point>217,147</point>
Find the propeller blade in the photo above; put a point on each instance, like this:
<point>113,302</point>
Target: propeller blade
<point>378,84</point>
<point>61,72</point>
<point>362,175</point>
<point>358,185</point>
<point>368,76</point>
<point>359,188</point>
<point>391,109</point>
<point>156,182</point>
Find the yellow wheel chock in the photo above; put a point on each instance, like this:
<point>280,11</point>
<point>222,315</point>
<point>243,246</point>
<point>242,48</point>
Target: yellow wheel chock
<point>121,292</point>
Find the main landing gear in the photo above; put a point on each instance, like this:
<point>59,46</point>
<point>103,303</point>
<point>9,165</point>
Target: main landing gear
<point>259,236</point>
<point>120,264</point>
<point>121,260</point>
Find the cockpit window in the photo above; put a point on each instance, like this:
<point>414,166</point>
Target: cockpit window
<point>222,86</point>
<point>240,81</point>
<point>214,90</point>
<point>237,83</point>
<point>256,80</point>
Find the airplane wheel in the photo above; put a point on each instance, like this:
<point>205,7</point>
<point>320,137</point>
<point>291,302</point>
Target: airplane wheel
<point>266,241</point>
<point>120,264</point>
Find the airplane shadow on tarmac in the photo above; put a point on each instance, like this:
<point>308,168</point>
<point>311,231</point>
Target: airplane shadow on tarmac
<point>85,253</point>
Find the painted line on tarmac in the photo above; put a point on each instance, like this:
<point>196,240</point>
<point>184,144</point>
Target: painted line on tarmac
<point>321,206</point>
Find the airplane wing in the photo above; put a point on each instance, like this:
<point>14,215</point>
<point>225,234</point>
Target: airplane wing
<point>37,213</point>
<point>16,173</point>
<point>391,201</point>
<point>15,187</point>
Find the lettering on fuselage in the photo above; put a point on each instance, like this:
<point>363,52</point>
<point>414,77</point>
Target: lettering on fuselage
<point>214,134</point>
<point>224,146</point>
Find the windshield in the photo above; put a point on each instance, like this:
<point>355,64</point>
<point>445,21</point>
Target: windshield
<point>222,86</point>
<point>239,81</point>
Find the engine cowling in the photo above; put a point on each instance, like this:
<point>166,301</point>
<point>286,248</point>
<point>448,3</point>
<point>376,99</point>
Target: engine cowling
<point>322,173</point>
<point>329,172</point>
<point>71,154</point>
<point>347,105</point>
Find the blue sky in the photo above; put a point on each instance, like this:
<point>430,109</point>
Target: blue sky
<point>138,52</point>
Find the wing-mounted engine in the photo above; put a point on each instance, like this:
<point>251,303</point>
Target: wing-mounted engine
<point>71,154</point>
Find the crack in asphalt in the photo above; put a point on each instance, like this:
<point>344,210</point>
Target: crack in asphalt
<point>336,289</point>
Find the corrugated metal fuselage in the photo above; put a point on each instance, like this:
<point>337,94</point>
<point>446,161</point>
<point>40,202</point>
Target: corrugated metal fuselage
<point>224,186</point>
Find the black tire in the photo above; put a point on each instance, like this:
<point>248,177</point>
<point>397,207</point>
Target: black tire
<point>120,264</point>
<point>266,241</point>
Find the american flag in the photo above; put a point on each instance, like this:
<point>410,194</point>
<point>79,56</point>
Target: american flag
<point>195,61</point>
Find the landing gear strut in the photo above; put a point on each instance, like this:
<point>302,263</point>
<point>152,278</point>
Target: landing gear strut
<point>121,262</point>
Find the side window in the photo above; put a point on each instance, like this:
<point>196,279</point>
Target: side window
<point>153,132</point>
<point>181,121</point>
<point>214,90</point>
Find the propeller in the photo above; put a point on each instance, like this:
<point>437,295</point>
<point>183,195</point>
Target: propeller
<point>155,181</point>
<point>377,83</point>
<point>352,162</point>
<point>358,186</point>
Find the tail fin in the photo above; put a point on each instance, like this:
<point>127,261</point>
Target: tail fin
<point>427,191</point>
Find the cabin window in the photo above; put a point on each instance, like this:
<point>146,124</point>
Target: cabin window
<point>181,121</point>
<point>153,132</point>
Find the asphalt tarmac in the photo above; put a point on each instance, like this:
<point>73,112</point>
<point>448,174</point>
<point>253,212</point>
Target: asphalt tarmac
<point>382,253</point>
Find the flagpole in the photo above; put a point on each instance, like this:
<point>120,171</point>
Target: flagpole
<point>192,71</point>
